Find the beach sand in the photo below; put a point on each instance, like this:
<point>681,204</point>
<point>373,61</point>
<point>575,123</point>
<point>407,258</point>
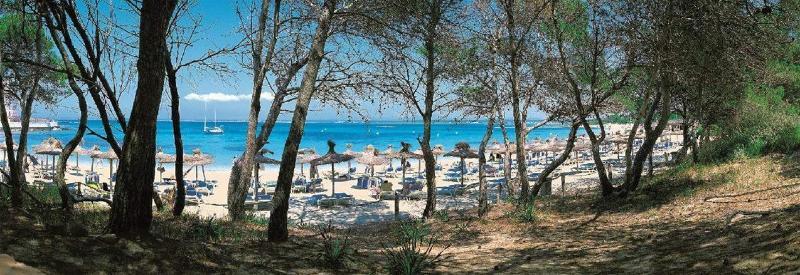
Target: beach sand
<point>366,209</point>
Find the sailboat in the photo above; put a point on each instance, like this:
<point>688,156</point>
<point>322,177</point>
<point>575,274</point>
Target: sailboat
<point>216,130</point>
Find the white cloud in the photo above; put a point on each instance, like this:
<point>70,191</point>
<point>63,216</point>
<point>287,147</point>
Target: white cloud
<point>222,97</point>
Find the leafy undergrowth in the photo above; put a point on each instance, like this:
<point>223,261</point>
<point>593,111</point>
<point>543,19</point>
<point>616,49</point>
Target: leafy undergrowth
<point>739,217</point>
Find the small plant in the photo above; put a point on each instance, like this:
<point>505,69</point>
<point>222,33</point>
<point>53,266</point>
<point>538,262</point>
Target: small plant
<point>256,219</point>
<point>414,251</point>
<point>442,215</point>
<point>527,212</point>
<point>336,249</point>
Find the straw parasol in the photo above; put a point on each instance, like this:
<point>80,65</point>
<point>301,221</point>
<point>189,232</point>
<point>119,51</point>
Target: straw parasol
<point>462,152</point>
<point>261,159</point>
<point>79,151</point>
<point>332,158</point>
<point>198,159</point>
<point>110,155</point>
<point>371,158</point>
<point>49,147</point>
<point>93,153</point>
<point>388,153</point>
<point>306,155</point>
<point>349,151</point>
<point>403,154</point>
<point>4,147</point>
<point>162,158</point>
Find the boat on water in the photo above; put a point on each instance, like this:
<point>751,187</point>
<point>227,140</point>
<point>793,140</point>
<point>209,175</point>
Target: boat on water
<point>215,130</point>
<point>35,124</point>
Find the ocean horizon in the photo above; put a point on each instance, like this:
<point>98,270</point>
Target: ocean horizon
<point>227,146</point>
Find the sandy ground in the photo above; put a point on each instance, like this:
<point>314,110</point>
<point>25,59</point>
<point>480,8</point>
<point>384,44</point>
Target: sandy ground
<point>366,209</point>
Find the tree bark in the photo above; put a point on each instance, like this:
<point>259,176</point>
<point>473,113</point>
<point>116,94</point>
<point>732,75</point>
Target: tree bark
<point>131,211</point>
<point>175,114</point>
<point>427,115</point>
<point>606,188</point>
<point>506,156</point>
<point>519,121</point>
<point>482,192</point>
<point>633,177</point>
<point>278,220</point>
<point>558,161</point>
<point>239,181</point>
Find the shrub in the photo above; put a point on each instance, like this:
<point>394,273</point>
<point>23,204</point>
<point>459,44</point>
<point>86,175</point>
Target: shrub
<point>441,215</point>
<point>336,249</point>
<point>414,251</point>
<point>765,124</point>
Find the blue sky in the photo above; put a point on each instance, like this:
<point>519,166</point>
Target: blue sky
<point>219,24</point>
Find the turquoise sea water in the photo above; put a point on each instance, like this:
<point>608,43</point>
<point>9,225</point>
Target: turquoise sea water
<point>230,144</point>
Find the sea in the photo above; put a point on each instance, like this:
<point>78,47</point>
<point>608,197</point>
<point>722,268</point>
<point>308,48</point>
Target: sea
<point>225,147</point>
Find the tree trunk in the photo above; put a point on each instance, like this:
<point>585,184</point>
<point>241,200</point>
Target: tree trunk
<point>278,220</point>
<point>506,156</point>
<point>633,177</point>
<point>66,197</point>
<point>482,192</point>
<point>239,182</point>
<point>606,188</point>
<point>519,121</point>
<point>558,161</point>
<point>427,115</point>
<point>131,212</point>
<point>175,114</point>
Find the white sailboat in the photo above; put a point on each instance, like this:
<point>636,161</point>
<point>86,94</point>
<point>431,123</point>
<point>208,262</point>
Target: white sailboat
<point>216,130</point>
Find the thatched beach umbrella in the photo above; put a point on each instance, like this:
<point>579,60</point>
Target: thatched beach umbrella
<point>403,154</point>
<point>371,158</point>
<point>49,147</point>
<point>93,153</point>
<point>331,158</point>
<point>306,156</point>
<point>349,151</point>
<point>462,152</point>
<point>198,159</point>
<point>4,148</point>
<point>109,155</point>
<point>388,153</point>
<point>79,151</point>
<point>261,159</point>
<point>162,158</point>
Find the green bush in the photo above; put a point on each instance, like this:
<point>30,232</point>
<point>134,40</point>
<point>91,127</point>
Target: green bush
<point>765,123</point>
<point>414,249</point>
<point>336,248</point>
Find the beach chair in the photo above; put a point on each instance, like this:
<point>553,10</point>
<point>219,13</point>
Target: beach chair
<point>300,185</point>
<point>192,197</point>
<point>314,199</point>
<point>363,182</point>
<point>343,199</point>
<point>202,188</point>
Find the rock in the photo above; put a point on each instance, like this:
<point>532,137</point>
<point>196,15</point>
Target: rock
<point>133,248</point>
<point>9,266</point>
<point>108,238</point>
<point>77,230</point>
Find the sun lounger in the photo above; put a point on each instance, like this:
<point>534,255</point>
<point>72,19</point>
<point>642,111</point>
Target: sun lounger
<point>192,197</point>
<point>362,182</point>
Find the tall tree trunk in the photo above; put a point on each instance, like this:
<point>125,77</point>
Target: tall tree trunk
<point>427,115</point>
<point>519,121</point>
<point>61,168</point>
<point>632,178</point>
<point>175,114</point>
<point>242,173</point>
<point>558,161</point>
<point>606,188</point>
<point>131,211</point>
<point>506,156</point>
<point>482,192</point>
<point>278,220</point>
